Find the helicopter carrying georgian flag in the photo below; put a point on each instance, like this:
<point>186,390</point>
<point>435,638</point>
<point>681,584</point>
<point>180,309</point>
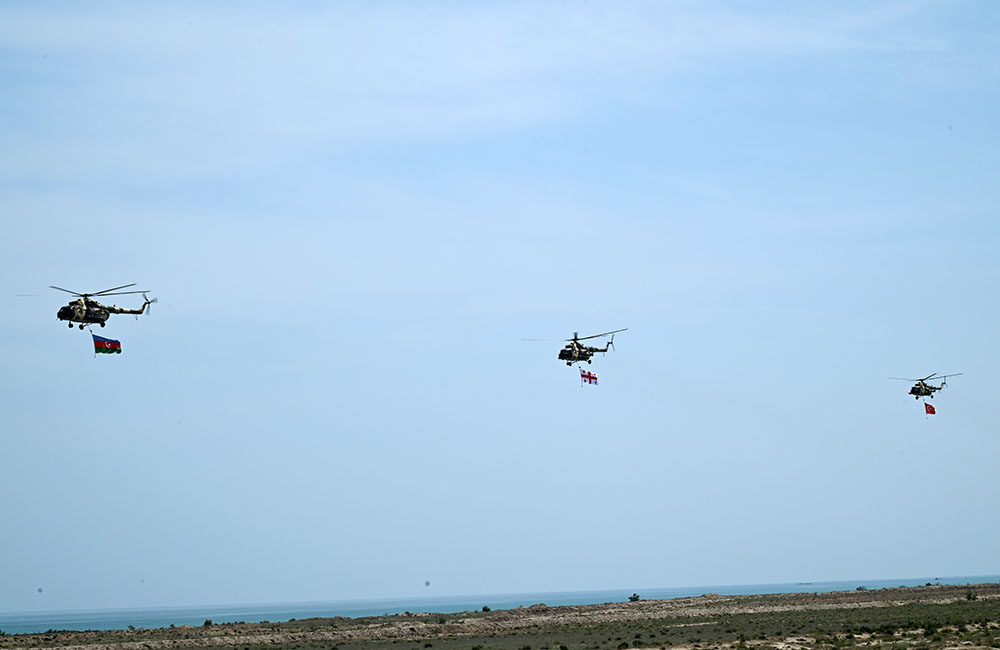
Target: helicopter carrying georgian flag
<point>576,352</point>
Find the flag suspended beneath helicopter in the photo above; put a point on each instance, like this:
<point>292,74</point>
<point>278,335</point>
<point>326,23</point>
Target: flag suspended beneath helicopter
<point>587,377</point>
<point>106,346</point>
<point>928,409</point>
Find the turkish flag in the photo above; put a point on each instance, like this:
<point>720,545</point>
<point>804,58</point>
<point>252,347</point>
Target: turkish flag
<point>928,409</point>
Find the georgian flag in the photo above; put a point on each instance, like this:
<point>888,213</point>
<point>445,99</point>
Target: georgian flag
<point>587,377</point>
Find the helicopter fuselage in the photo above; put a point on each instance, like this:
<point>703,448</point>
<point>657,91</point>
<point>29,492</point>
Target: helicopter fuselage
<point>87,312</point>
<point>573,353</point>
<point>84,312</point>
<point>920,389</point>
<point>571,356</point>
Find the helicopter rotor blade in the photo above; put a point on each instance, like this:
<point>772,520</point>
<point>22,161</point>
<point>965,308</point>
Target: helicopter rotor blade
<point>930,376</point>
<point>118,293</point>
<point>951,375</point>
<point>68,291</point>
<point>594,336</point>
<point>108,291</point>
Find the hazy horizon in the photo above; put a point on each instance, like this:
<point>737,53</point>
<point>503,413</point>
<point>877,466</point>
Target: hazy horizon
<point>646,593</point>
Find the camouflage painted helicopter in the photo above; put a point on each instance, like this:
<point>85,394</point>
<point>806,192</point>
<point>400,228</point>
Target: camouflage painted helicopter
<point>574,351</point>
<point>922,388</point>
<point>86,311</point>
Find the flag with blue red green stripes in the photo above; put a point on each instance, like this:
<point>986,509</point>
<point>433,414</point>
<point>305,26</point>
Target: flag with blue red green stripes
<point>106,346</point>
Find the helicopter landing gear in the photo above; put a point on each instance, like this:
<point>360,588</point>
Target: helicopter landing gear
<point>569,363</point>
<point>102,324</point>
<point>81,325</point>
<point>70,325</point>
<point>588,361</point>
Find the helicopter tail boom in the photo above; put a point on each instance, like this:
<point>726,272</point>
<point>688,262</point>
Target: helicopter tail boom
<point>115,309</point>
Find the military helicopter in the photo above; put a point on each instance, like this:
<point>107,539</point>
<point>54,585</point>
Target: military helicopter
<point>87,311</point>
<point>574,351</point>
<point>923,389</point>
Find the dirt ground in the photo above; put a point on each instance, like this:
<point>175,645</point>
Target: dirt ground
<point>966,617</point>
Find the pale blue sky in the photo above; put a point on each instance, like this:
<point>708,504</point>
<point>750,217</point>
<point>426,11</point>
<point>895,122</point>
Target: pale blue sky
<point>352,213</point>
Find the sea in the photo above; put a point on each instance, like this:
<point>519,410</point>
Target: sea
<point>157,617</point>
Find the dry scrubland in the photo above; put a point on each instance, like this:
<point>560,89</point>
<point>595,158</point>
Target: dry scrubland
<point>904,618</point>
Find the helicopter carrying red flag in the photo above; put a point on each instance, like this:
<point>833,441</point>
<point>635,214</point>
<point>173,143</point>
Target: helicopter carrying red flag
<point>587,377</point>
<point>928,409</point>
<point>106,346</point>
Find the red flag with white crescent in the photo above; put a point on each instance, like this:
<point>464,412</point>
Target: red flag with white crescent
<point>928,409</point>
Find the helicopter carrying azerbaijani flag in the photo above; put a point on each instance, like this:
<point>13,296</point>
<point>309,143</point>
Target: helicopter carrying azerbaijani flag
<point>90,312</point>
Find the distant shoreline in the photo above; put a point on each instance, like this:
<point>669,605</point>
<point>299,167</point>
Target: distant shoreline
<point>164,617</point>
<point>944,614</point>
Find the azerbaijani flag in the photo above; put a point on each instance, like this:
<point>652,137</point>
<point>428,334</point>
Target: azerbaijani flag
<point>106,346</point>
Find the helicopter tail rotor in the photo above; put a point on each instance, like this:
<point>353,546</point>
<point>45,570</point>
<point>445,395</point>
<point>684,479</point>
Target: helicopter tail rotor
<point>148,303</point>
